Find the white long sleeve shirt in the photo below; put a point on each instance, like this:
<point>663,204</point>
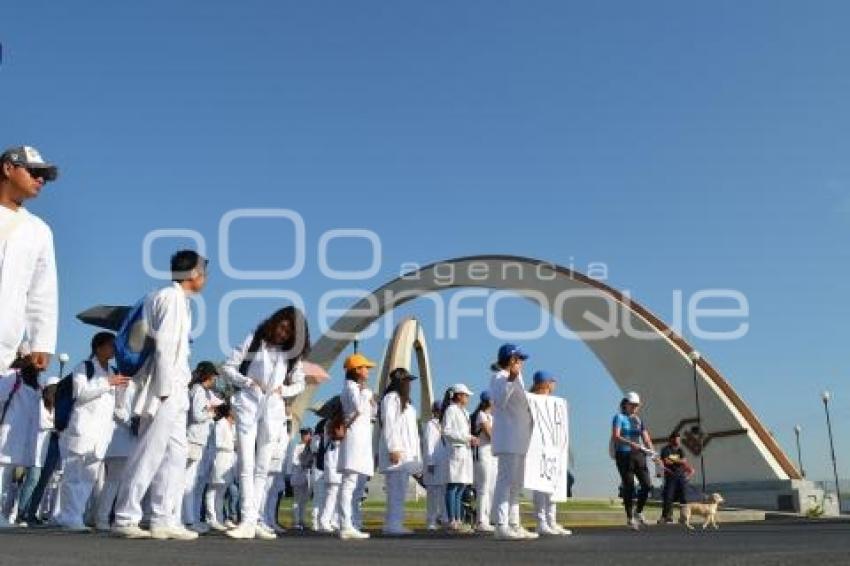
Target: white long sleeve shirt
<point>90,426</point>
<point>29,300</point>
<point>512,422</point>
<point>399,433</point>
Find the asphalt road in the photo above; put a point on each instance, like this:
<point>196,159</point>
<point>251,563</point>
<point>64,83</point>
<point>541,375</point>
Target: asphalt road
<point>768,543</point>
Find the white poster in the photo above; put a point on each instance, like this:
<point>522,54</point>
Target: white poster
<point>546,461</point>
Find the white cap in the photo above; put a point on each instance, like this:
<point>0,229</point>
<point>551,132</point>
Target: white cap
<point>632,397</point>
<point>461,388</point>
<point>45,380</point>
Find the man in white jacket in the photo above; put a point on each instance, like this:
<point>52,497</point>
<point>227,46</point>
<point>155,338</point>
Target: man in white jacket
<point>158,460</point>
<point>28,288</point>
<point>512,426</point>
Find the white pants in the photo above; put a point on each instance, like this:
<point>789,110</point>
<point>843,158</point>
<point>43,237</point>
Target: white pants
<point>436,504</point>
<point>78,479</point>
<point>509,488</point>
<point>158,463</point>
<point>319,492</point>
<point>486,471</point>
<point>197,476</point>
<point>255,454</point>
<point>215,502</point>
<point>275,484</point>
<point>396,486</point>
<point>545,511</point>
<point>301,495</point>
<point>114,471</point>
<point>329,517</point>
<point>347,504</point>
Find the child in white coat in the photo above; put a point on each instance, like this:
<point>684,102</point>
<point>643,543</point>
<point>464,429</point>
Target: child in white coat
<point>434,476</point>
<point>84,442</point>
<point>486,465</point>
<point>399,453</point>
<point>457,435</point>
<point>19,418</point>
<point>267,369</point>
<point>202,403</point>
<point>328,456</point>
<point>224,465</point>
<point>302,464</point>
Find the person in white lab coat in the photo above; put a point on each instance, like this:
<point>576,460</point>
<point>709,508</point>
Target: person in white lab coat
<point>400,451</point>
<point>545,510</point>
<point>355,454</point>
<point>512,426</point>
<point>19,418</point>
<point>457,435</point>
<point>224,465</point>
<point>302,464</point>
<point>84,442</point>
<point>123,438</point>
<point>202,404</point>
<point>434,476</point>
<point>28,288</point>
<point>486,465</point>
<point>158,460</point>
<point>267,369</point>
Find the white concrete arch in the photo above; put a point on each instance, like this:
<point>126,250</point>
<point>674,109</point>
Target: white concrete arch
<point>739,448</point>
<point>407,343</point>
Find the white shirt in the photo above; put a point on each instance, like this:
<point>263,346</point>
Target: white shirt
<point>512,422</point>
<point>90,426</point>
<point>399,433</point>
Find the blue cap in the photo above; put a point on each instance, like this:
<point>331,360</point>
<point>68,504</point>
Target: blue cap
<point>485,396</point>
<point>508,351</point>
<point>542,376</point>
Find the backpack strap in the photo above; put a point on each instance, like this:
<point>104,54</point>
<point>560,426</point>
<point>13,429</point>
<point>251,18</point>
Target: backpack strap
<point>15,389</point>
<point>89,369</point>
<point>256,342</point>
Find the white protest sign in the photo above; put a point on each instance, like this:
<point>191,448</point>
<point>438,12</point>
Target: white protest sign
<point>546,460</point>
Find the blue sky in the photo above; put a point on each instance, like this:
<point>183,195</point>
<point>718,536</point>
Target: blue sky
<point>685,146</point>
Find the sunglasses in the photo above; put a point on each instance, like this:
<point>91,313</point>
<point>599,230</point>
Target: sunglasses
<point>40,173</point>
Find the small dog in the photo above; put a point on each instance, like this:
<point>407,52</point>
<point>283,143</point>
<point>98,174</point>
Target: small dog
<point>707,510</point>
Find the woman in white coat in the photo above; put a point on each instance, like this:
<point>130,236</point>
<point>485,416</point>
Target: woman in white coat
<point>457,434</point>
<point>121,444</point>
<point>399,453</point>
<point>84,442</point>
<point>19,416</point>
<point>486,465</point>
<point>355,455</point>
<point>434,476</point>
<point>267,370</point>
<point>201,452</point>
<point>512,426</point>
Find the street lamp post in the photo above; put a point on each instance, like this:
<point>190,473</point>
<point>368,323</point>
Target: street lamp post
<point>63,359</point>
<point>826,396</point>
<point>695,358</point>
<point>797,430</point>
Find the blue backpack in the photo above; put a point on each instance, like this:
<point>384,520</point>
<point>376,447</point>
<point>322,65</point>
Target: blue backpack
<point>64,403</point>
<point>133,343</point>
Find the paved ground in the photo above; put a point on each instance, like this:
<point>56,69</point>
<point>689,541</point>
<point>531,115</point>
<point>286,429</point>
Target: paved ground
<point>768,543</point>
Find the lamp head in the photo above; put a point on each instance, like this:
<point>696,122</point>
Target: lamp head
<point>826,396</point>
<point>64,358</point>
<point>695,356</point>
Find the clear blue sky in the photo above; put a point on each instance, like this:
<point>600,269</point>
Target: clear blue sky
<point>686,146</point>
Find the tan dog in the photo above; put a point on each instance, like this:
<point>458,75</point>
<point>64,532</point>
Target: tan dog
<point>707,510</point>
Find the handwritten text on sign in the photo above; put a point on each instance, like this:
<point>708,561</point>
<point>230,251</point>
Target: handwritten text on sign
<point>546,461</point>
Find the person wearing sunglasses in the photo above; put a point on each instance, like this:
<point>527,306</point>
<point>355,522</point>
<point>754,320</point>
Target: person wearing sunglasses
<point>28,288</point>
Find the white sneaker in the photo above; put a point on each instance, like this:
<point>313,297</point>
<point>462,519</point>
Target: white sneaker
<point>228,524</point>
<point>507,533</point>
<point>353,534</point>
<point>130,532</point>
<point>641,519</point>
<point>559,530</point>
<point>485,528</point>
<point>264,532</point>
<point>172,533</point>
<point>243,531</point>
<point>216,526</point>
<point>545,530</point>
<point>526,534</point>
<point>633,524</point>
<point>200,528</point>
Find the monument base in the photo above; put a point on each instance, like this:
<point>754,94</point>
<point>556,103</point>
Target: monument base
<point>790,496</point>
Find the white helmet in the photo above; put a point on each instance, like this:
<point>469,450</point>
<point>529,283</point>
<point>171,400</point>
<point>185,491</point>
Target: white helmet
<point>632,397</point>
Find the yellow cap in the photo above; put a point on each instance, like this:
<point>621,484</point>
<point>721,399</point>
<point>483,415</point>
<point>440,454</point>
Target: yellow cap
<point>355,361</point>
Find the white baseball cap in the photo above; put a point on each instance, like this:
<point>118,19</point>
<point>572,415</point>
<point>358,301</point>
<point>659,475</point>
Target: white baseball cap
<point>461,388</point>
<point>632,397</point>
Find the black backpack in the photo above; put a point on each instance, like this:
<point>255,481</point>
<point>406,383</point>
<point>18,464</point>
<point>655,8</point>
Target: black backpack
<point>64,404</point>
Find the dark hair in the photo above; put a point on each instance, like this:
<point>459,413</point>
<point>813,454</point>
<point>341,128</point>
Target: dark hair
<point>100,339</point>
<point>482,406</point>
<point>674,435</point>
<point>447,400</point>
<point>183,262</point>
<point>298,344</point>
<point>223,410</point>
<point>623,404</point>
<point>202,372</point>
<point>399,384</point>
<point>351,374</point>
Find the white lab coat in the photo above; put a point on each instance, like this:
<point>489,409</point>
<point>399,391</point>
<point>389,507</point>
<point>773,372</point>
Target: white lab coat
<point>399,433</point>
<point>332,474</point>
<point>224,467</point>
<point>28,287</point>
<point>355,453</point>
<point>512,422</point>
<point>19,430</point>
<point>167,370</point>
<point>90,425</point>
<point>457,435</point>
<point>434,451</point>
<point>122,439</point>
<point>45,429</point>
<point>201,421</point>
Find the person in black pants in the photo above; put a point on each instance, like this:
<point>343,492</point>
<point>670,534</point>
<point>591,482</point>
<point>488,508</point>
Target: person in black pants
<point>631,443</point>
<point>677,472</point>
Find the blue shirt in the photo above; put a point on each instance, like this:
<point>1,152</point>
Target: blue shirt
<point>631,428</point>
